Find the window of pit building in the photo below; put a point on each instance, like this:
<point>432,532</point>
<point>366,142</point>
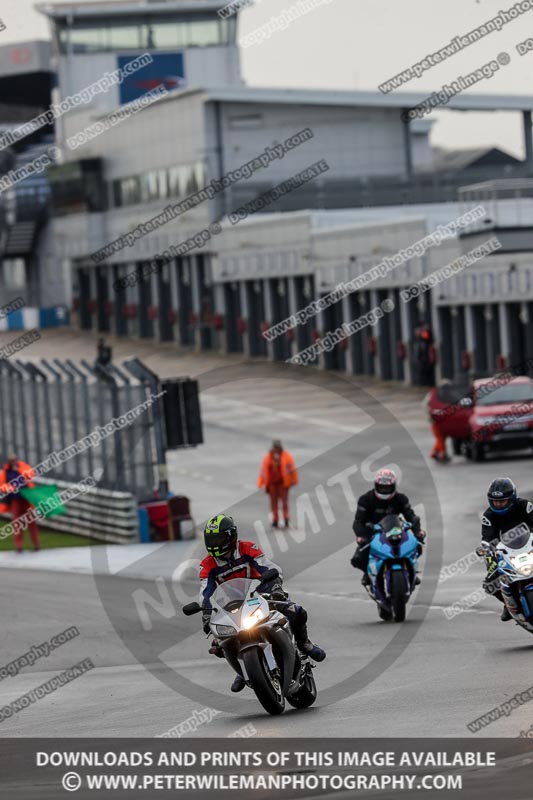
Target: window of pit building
<point>77,187</point>
<point>177,181</point>
<point>151,186</point>
<point>109,34</point>
<point>159,184</point>
<point>13,273</point>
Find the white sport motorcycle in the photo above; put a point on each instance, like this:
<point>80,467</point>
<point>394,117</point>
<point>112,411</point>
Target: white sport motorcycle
<point>257,642</point>
<point>514,557</point>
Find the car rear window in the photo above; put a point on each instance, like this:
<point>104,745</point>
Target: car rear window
<point>452,393</point>
<point>512,393</point>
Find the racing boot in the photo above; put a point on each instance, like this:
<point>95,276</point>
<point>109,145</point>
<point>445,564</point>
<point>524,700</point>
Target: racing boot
<point>505,615</point>
<point>238,684</point>
<point>313,651</point>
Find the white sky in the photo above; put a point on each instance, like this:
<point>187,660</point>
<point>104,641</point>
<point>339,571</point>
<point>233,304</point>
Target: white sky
<point>358,44</point>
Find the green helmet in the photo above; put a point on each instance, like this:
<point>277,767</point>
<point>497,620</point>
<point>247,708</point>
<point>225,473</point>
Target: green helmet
<point>220,536</point>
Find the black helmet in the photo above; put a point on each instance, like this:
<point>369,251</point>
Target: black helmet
<point>220,536</point>
<point>501,489</point>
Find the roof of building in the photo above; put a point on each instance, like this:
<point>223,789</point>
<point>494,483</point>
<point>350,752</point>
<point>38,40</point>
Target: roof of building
<point>324,221</point>
<point>334,97</point>
<point>360,99</point>
<point>99,8</point>
<point>456,160</point>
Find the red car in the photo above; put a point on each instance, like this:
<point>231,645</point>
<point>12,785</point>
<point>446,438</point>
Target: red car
<point>495,414</point>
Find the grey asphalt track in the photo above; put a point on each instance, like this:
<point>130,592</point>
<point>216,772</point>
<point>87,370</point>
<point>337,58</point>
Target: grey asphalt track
<point>431,683</point>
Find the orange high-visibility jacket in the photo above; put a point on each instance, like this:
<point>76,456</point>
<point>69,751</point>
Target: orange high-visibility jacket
<point>288,471</point>
<point>25,470</point>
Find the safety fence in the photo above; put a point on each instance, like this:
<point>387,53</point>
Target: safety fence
<point>98,513</point>
<point>69,420</point>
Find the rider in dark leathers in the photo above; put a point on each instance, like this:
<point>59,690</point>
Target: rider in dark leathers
<point>372,506</point>
<point>505,511</point>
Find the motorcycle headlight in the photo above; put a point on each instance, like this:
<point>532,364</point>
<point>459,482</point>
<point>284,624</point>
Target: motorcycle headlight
<point>523,566</point>
<point>254,618</point>
<point>224,630</point>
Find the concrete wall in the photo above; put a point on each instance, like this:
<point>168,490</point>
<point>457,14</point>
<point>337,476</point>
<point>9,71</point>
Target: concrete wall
<point>204,67</point>
<point>356,142</point>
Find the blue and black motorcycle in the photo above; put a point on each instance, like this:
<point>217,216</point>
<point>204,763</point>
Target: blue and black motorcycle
<point>392,566</point>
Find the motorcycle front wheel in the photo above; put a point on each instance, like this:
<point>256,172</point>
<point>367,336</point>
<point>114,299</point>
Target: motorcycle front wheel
<point>397,595</point>
<point>305,696</point>
<point>267,688</point>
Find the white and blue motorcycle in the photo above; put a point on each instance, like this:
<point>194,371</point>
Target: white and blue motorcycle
<point>514,555</point>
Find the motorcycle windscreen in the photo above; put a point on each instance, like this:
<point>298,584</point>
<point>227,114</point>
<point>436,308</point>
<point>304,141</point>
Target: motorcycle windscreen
<point>516,538</point>
<point>391,525</point>
<point>231,594</point>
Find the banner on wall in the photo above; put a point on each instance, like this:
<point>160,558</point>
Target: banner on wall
<point>166,69</point>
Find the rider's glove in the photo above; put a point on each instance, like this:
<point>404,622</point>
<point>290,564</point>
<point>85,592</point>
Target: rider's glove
<point>492,567</point>
<point>274,589</point>
<point>278,592</point>
<point>216,649</point>
<point>421,536</point>
<point>206,623</point>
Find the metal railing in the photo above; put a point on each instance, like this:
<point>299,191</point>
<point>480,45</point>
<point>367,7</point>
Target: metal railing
<point>49,405</point>
<point>97,513</point>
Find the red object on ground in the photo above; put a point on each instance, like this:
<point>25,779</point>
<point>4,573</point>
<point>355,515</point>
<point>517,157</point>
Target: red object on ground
<point>401,351</point>
<point>129,310</point>
<point>152,312</point>
<point>372,345</point>
<point>165,517</point>
<point>20,506</point>
<point>242,325</point>
<point>278,494</point>
<point>315,335</point>
<point>172,316</point>
<point>433,354</point>
<point>159,516</point>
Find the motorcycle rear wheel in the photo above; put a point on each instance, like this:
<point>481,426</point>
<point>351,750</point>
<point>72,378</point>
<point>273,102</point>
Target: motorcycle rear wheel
<point>397,591</point>
<point>269,695</point>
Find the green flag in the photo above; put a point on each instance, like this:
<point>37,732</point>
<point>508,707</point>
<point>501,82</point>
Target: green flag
<point>47,498</point>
